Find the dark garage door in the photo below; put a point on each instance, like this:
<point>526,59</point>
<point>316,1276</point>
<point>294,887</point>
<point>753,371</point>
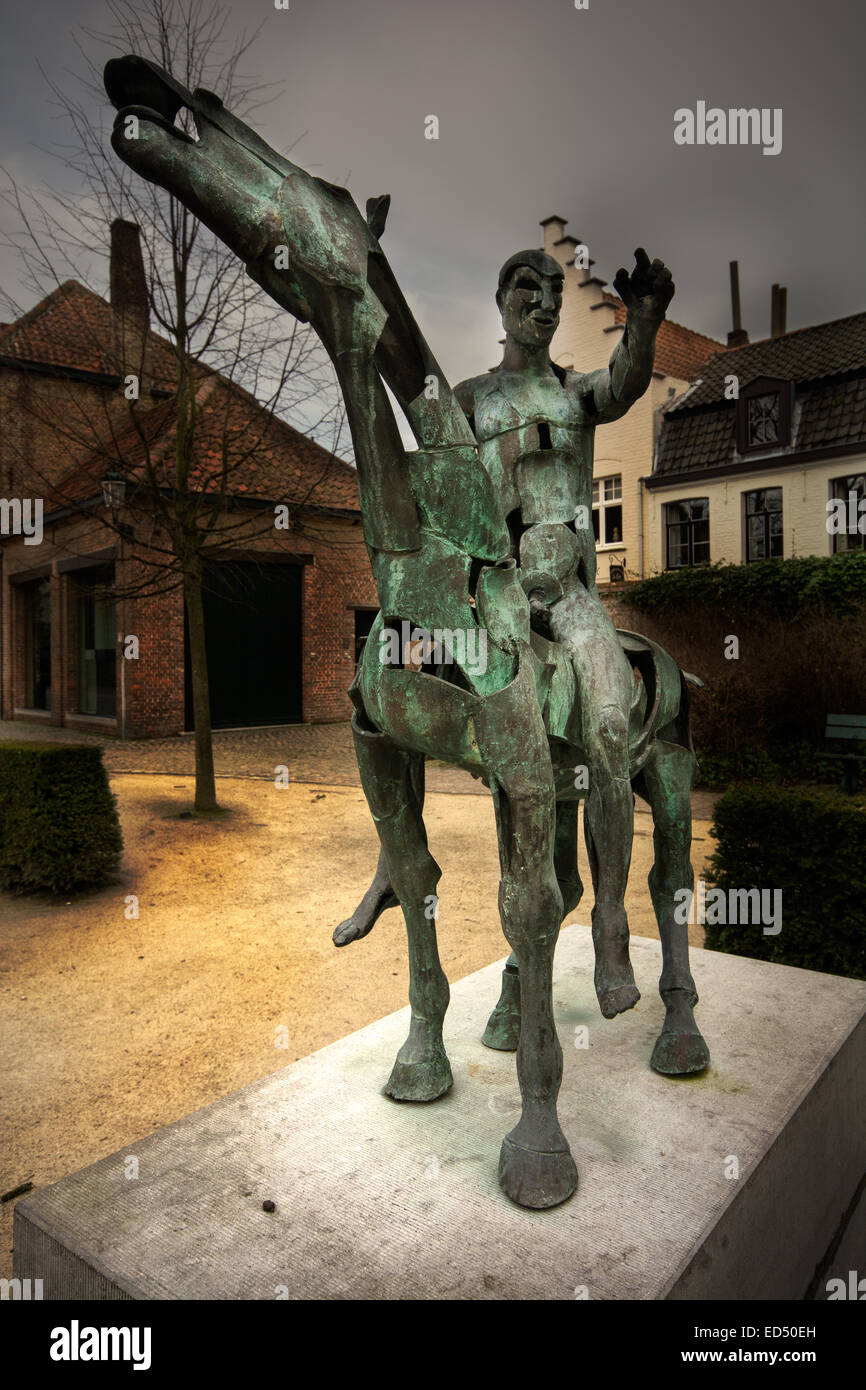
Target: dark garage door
<point>252,619</point>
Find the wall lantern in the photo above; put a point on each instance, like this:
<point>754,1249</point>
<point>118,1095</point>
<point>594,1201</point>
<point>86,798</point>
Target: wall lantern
<point>113,491</point>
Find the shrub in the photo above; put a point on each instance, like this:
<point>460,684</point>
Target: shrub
<point>787,588</point>
<point>812,845</point>
<point>59,829</point>
<point>783,763</point>
<point>801,630</point>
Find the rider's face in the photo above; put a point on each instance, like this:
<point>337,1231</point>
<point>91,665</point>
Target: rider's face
<point>530,304</point>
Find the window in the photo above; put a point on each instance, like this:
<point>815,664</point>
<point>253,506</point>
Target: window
<point>37,659</point>
<point>687,527</point>
<point>607,510</point>
<point>852,491</point>
<point>97,643</point>
<point>763,524</point>
<point>763,419</point>
<point>764,415</point>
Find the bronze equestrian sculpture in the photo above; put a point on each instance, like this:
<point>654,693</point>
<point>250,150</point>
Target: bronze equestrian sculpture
<point>483,529</point>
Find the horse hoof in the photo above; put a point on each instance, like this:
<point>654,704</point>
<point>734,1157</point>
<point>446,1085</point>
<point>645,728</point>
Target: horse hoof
<point>424,1080</point>
<point>617,1001</point>
<point>502,1032</point>
<point>537,1180</point>
<point>680,1054</point>
<point>352,930</point>
<point>347,931</point>
<point>503,1026</point>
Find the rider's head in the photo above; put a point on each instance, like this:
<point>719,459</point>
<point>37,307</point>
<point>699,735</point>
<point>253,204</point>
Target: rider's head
<point>530,297</point>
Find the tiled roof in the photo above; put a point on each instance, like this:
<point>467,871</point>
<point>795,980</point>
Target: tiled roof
<point>264,457</point>
<point>833,413</point>
<point>825,349</point>
<point>74,328</point>
<point>680,352</point>
<point>827,364</point>
<point>702,439</point>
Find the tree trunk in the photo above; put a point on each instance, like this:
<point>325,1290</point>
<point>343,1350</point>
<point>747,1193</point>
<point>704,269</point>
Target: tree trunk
<point>205,785</point>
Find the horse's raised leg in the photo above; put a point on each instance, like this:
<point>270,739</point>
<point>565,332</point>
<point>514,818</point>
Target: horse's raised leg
<point>503,1027</point>
<point>422,1070</point>
<point>380,895</point>
<point>666,782</point>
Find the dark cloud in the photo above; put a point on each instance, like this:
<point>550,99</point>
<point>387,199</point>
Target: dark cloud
<point>543,109</point>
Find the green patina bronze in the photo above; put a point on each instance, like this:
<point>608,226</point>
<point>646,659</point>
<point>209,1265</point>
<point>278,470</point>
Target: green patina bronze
<point>492,649</point>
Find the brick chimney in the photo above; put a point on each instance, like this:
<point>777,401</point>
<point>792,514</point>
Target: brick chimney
<point>128,282</point>
<point>128,295</point>
<point>779,310</point>
<point>738,337</point>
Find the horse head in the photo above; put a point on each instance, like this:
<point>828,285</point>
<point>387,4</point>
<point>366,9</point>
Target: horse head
<point>302,238</point>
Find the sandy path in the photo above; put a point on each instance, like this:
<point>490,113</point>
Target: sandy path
<point>112,1028</point>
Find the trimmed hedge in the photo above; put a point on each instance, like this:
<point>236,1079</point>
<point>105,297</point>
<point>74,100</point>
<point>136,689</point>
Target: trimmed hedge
<point>59,829</point>
<point>811,845</point>
<point>791,763</point>
<point>801,629</point>
<point>786,588</point>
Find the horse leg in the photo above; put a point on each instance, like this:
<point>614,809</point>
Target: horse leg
<point>422,1070</point>
<point>608,821</point>
<point>666,782</point>
<point>380,895</point>
<point>605,685</point>
<point>503,1027</point>
<point>536,1168</point>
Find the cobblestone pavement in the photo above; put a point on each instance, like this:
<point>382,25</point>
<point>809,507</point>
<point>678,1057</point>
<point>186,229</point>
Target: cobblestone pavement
<point>320,753</point>
<point>311,752</point>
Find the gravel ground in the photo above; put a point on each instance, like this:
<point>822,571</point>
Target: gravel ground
<point>113,1026</point>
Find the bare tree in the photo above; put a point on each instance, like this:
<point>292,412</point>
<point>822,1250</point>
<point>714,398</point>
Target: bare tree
<point>218,324</point>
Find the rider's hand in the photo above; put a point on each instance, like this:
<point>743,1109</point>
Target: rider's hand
<point>648,291</point>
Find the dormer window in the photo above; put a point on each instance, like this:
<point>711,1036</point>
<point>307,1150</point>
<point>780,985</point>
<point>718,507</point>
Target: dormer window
<point>763,419</point>
<point>764,416</point>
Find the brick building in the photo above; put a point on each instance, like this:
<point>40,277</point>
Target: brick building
<point>91,604</point>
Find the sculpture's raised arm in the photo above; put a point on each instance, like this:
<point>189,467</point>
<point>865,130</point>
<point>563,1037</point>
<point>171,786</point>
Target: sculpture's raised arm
<point>646,294</point>
<point>307,244</point>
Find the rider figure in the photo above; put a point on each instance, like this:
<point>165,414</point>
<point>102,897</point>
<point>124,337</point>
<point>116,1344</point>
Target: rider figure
<point>535,425</point>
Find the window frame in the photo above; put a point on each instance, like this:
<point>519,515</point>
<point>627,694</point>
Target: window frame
<point>766,514</point>
<point>691,522</point>
<point>859,540</point>
<point>602,503</point>
<point>95,586</point>
<point>38,634</point>
<point>765,386</point>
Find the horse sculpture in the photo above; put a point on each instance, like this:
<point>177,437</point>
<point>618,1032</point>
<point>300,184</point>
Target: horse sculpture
<point>477,531</point>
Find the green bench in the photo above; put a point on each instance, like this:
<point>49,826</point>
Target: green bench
<point>847,726</point>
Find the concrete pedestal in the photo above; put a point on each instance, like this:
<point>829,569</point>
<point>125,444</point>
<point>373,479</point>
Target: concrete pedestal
<point>741,1184</point>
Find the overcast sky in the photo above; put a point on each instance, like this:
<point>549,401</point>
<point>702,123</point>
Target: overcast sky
<point>544,108</point>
